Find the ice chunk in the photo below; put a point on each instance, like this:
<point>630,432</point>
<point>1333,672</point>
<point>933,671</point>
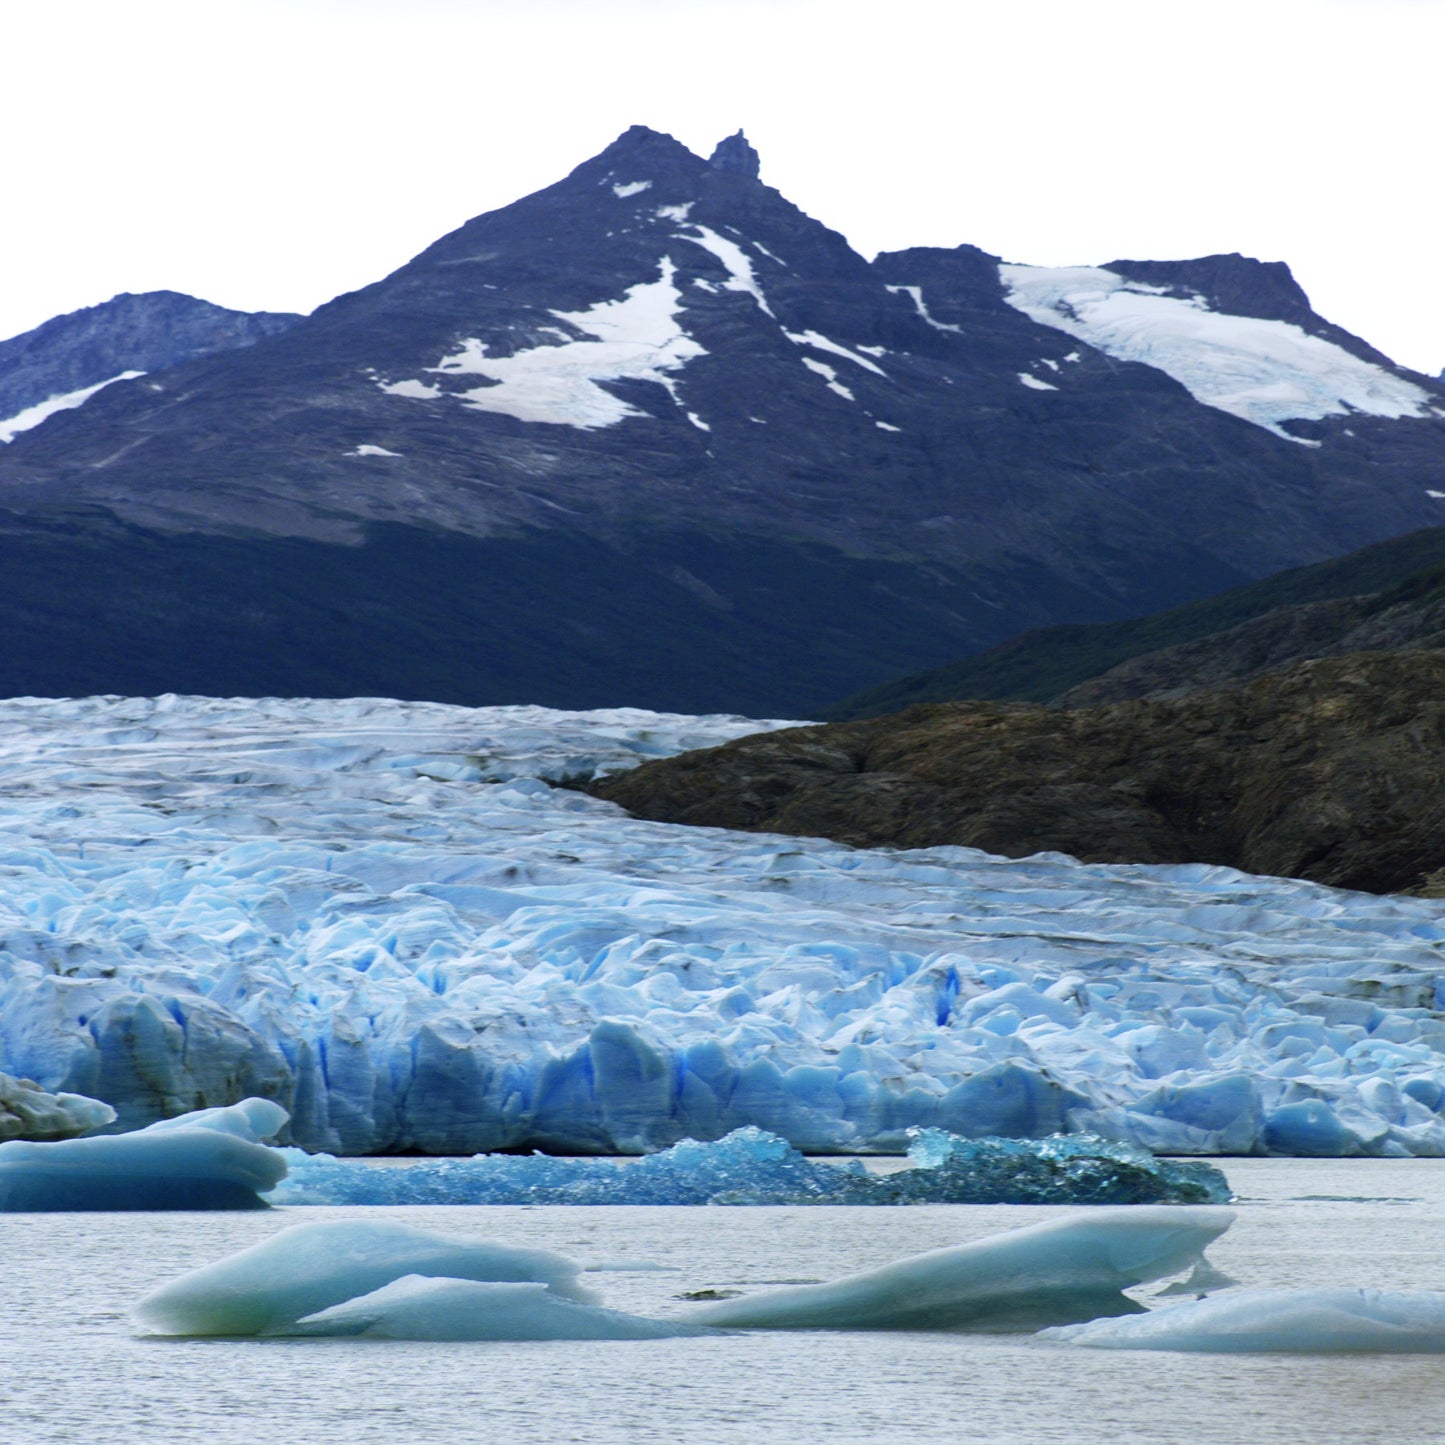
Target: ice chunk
<point>1065,1270</point>
<point>754,1167</point>
<point>28,1112</point>
<point>416,1307</point>
<point>209,1160</point>
<point>1247,1320</point>
<point>311,1267</point>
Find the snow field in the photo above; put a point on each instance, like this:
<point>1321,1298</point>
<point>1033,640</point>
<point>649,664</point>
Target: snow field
<point>1267,372</point>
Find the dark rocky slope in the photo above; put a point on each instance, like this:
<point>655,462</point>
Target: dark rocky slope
<point>653,435</point>
<point>145,332</point>
<point>1331,770</point>
<point>1380,598</point>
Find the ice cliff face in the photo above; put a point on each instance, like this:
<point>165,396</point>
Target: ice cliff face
<point>379,915</point>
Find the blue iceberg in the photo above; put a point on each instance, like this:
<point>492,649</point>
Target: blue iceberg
<point>751,1166</point>
<point>211,1159</point>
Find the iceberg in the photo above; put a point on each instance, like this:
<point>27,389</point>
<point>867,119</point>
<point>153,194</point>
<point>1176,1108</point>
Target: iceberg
<point>368,1278</point>
<point>396,921</point>
<point>415,1307</point>
<point>29,1112</point>
<point>1065,1270</point>
<point>211,1159</point>
<point>308,1268</point>
<point>1273,1320</point>
<point>750,1166</point>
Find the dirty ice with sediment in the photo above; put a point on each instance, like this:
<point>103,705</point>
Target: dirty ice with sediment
<point>393,920</point>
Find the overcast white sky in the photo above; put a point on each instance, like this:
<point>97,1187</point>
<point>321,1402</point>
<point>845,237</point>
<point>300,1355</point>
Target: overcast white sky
<point>273,153</point>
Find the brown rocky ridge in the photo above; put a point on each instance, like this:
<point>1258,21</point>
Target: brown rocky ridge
<point>1331,770</point>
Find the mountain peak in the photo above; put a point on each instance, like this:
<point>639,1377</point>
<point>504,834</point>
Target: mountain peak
<point>734,153</point>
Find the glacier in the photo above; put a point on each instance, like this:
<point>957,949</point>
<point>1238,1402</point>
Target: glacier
<point>1266,372</point>
<point>395,921</point>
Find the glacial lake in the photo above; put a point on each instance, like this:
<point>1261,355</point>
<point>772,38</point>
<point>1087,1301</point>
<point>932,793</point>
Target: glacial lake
<point>75,1371</point>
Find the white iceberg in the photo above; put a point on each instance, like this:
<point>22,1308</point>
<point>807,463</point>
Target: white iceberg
<point>1277,1320</point>
<point>211,1159</point>
<point>1067,1269</point>
<point>416,1307</point>
<point>29,1112</point>
<point>309,1268</point>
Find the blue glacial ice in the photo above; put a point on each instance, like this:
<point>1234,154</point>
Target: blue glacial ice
<point>213,1159</point>
<point>307,1268</point>
<point>753,1167</point>
<point>385,917</point>
<point>1273,1320</point>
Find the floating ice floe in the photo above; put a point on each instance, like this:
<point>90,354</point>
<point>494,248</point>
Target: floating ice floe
<point>418,1308</point>
<point>381,915</point>
<point>1067,1269</point>
<point>370,1278</point>
<point>308,1268</point>
<point>29,1112</point>
<point>1276,1320</point>
<point>752,1167</point>
<point>213,1159</point>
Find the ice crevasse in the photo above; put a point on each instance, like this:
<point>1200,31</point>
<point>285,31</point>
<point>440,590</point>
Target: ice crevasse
<point>390,919</point>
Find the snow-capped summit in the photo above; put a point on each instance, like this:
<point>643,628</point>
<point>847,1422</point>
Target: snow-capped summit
<point>654,435</point>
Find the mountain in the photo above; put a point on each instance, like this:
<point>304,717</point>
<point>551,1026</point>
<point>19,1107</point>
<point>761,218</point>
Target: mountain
<point>1328,770</point>
<point>64,362</point>
<point>1387,596</point>
<point>654,435</point>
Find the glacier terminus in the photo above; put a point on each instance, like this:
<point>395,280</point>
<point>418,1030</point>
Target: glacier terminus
<point>395,921</point>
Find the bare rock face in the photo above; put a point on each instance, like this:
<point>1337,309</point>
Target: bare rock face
<point>28,1112</point>
<point>1331,770</point>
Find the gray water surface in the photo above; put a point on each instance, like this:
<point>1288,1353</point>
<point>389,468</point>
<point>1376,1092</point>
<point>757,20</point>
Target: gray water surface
<point>72,1368</point>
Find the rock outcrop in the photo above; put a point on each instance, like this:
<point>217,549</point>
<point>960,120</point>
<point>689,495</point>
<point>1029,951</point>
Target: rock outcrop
<point>1331,770</point>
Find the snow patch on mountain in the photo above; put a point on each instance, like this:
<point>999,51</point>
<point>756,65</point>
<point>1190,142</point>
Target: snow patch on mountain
<point>1266,372</point>
<point>915,294</point>
<point>830,377</point>
<point>630,188</point>
<point>368,449</point>
<point>635,338</point>
<point>819,342</point>
<point>732,255</point>
<point>1035,384</point>
<point>32,416</point>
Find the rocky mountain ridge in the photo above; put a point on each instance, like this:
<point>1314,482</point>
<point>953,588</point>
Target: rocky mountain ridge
<point>123,337</point>
<point>654,435</point>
